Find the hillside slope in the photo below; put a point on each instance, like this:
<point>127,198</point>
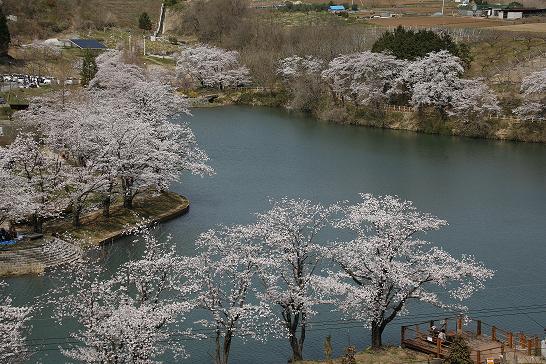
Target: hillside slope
<point>39,19</point>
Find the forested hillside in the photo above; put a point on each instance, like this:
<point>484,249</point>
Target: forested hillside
<point>45,18</point>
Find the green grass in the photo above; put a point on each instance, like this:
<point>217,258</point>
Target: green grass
<point>286,18</point>
<point>95,228</point>
<point>389,355</point>
<point>160,61</point>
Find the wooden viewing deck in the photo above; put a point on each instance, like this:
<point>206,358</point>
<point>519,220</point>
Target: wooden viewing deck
<point>487,342</point>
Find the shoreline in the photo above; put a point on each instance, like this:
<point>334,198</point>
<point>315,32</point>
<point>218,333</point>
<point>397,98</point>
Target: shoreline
<point>495,128</point>
<point>182,209</point>
<point>53,250</point>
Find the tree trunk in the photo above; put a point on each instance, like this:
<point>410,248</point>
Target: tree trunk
<point>76,213</point>
<point>297,354</point>
<point>128,200</point>
<point>127,184</point>
<point>295,344</point>
<point>377,332</point>
<point>106,202</point>
<point>218,356</point>
<point>227,347</point>
<point>222,349</point>
<point>37,224</point>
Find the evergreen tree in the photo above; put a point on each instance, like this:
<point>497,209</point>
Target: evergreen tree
<point>515,4</point>
<point>144,22</point>
<point>89,68</point>
<point>410,44</point>
<point>5,37</point>
<point>459,352</point>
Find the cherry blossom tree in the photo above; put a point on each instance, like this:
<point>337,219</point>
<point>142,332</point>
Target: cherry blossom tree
<point>74,131</point>
<point>432,80</point>
<point>339,76</point>
<point>13,329</point>
<point>16,197</point>
<point>533,88</point>
<point>473,98</point>
<point>118,134</point>
<point>149,151</point>
<point>83,181</point>
<point>212,67</point>
<point>388,263</point>
<point>42,171</point>
<point>296,66</point>
<point>291,252</point>
<point>366,78</point>
<point>131,317</point>
<point>223,274</point>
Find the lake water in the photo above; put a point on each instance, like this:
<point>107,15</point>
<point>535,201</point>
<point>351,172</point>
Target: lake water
<point>493,194</point>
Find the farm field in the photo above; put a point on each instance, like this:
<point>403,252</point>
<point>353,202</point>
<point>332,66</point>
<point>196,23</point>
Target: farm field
<point>414,7</point>
<point>533,28</point>
<point>449,21</point>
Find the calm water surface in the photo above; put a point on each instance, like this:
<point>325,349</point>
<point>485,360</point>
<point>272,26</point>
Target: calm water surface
<point>493,194</point>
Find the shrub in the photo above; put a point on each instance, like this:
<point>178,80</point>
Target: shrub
<point>144,22</point>
<point>5,37</point>
<point>410,44</point>
<point>459,352</point>
<point>515,4</point>
<point>89,68</point>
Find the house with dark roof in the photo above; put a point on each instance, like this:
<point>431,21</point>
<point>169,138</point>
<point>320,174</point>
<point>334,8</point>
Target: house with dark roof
<point>514,13</point>
<point>87,44</point>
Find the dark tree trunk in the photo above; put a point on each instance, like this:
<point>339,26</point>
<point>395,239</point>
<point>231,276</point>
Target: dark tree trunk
<point>223,348</point>
<point>76,213</point>
<point>128,195</point>
<point>377,333</point>
<point>227,347</point>
<point>297,353</point>
<point>128,200</point>
<point>218,355</point>
<point>106,202</point>
<point>292,322</point>
<point>37,224</point>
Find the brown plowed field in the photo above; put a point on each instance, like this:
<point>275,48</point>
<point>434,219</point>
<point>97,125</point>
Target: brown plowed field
<point>434,21</point>
<point>532,28</point>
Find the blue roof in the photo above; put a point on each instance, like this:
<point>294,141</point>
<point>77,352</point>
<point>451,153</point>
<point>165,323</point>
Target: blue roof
<point>337,7</point>
<point>88,43</point>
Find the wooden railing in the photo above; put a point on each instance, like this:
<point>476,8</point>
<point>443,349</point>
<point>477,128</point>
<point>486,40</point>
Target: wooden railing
<point>408,109</point>
<point>419,336</point>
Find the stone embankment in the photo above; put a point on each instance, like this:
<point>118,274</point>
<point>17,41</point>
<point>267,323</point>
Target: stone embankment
<point>34,257</point>
<point>37,256</point>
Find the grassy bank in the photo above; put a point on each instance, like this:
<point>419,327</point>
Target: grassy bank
<point>96,229</point>
<point>389,355</point>
<point>433,123</point>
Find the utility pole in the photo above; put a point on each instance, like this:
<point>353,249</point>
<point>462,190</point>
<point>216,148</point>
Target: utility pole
<point>144,37</point>
<point>10,81</point>
<point>443,6</point>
